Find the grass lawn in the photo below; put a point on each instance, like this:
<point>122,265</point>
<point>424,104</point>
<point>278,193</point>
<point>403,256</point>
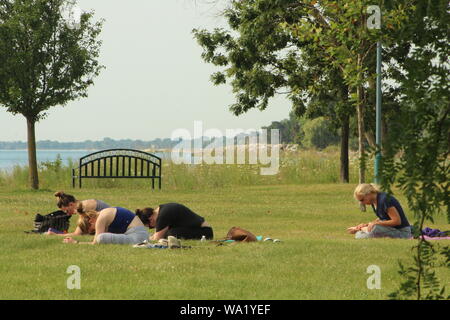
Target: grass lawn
<point>316,259</point>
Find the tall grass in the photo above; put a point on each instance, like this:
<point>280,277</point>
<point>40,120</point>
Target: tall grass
<point>299,167</point>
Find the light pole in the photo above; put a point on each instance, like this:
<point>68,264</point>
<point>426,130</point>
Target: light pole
<point>378,116</point>
<point>374,22</point>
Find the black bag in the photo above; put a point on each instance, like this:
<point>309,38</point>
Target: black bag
<point>58,220</point>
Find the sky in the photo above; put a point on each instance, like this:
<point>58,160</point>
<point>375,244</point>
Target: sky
<point>155,81</point>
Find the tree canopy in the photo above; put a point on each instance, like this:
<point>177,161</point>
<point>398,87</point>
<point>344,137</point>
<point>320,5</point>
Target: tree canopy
<point>45,61</point>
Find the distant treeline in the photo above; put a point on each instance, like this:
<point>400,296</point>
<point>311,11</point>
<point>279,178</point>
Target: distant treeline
<point>310,133</point>
<point>106,143</point>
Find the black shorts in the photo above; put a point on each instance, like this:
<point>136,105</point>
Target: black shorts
<point>191,233</point>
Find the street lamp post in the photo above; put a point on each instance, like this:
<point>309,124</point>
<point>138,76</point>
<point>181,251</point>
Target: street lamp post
<point>378,116</point>
<point>374,22</point>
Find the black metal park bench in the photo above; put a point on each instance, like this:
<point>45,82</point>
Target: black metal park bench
<point>118,164</point>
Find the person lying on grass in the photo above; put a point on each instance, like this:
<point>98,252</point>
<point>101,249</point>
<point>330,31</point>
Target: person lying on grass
<point>115,225</point>
<point>174,219</point>
<point>391,221</point>
<point>83,228</point>
<point>71,206</point>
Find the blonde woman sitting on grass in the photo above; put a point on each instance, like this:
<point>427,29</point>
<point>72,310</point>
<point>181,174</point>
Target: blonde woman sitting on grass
<point>115,225</point>
<point>391,221</point>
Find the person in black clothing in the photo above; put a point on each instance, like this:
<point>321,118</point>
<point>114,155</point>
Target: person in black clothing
<point>174,219</point>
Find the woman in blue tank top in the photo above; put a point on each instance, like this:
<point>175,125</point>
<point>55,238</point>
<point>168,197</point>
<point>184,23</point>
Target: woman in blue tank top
<point>115,226</point>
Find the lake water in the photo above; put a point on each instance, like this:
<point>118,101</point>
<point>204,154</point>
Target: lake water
<point>11,158</point>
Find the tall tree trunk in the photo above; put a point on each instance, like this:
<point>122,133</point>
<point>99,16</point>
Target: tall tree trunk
<point>32,161</point>
<point>345,133</point>
<point>369,133</point>
<point>370,138</point>
<point>361,135</point>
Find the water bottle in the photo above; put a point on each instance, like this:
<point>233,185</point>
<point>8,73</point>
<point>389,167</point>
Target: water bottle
<point>203,239</point>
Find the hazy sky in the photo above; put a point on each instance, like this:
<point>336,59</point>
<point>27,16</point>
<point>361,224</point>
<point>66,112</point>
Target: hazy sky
<point>155,80</point>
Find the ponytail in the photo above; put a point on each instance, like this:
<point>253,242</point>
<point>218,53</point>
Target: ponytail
<point>64,199</point>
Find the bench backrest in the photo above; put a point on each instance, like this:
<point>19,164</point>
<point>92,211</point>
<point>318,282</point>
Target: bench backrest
<point>118,163</point>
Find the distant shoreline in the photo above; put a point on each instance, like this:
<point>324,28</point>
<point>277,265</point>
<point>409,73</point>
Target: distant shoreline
<point>38,149</point>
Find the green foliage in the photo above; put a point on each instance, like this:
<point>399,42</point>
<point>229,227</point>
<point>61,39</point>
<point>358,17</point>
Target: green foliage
<point>319,53</point>
<point>416,157</point>
<point>44,61</point>
<point>420,280</point>
<point>290,129</point>
<point>318,134</point>
<point>54,166</point>
<point>262,57</point>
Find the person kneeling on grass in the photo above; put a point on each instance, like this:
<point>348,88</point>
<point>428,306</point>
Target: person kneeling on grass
<point>115,226</point>
<point>391,221</point>
<point>174,219</point>
<point>71,206</point>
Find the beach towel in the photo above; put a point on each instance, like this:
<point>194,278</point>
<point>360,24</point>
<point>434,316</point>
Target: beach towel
<point>433,238</point>
<point>433,233</point>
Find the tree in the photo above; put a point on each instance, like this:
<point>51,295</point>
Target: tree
<point>416,158</point>
<point>264,60</point>
<point>332,102</point>
<point>318,134</point>
<point>289,129</point>
<point>319,53</point>
<point>339,30</point>
<point>45,61</point>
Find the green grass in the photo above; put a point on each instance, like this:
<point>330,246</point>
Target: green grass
<point>315,260</point>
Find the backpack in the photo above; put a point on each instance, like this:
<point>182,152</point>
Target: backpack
<point>58,220</point>
<point>239,234</point>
